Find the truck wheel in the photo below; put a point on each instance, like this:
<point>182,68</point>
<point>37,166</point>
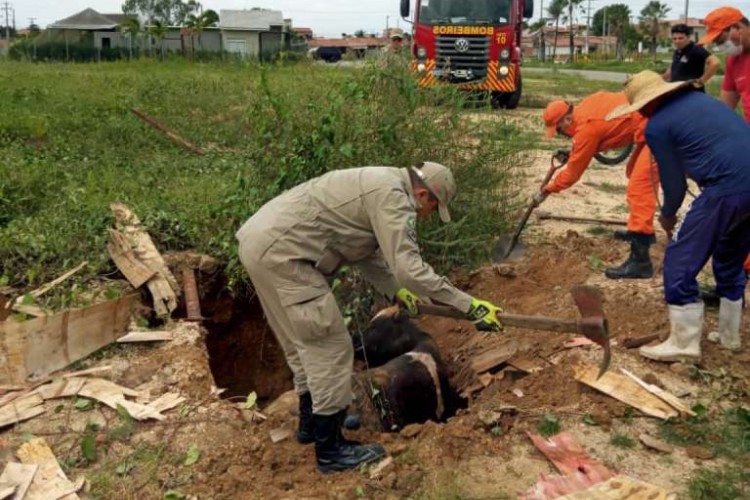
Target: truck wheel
<point>507,100</point>
<point>515,98</point>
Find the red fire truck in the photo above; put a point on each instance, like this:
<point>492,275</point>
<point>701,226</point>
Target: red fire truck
<point>474,44</point>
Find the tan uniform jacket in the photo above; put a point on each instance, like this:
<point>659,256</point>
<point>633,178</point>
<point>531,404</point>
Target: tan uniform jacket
<point>365,217</point>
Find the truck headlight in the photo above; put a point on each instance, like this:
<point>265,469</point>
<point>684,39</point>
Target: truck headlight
<point>422,53</point>
<point>504,54</point>
<point>503,71</point>
<point>421,67</point>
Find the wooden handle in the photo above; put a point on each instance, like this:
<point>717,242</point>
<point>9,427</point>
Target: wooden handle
<point>514,320</point>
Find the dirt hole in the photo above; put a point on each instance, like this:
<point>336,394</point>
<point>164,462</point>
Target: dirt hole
<point>244,355</point>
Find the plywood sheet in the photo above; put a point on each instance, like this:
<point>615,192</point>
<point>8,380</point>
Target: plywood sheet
<point>38,347</point>
<point>622,488</point>
<point>50,481</point>
<point>20,476</point>
<point>626,390</point>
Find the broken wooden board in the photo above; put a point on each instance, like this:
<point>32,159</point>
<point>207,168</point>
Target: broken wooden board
<point>624,389</point>
<point>493,358</point>
<point>665,396</point>
<point>526,365</point>
<point>569,458</point>
<point>166,402</point>
<point>33,349</point>
<point>6,490</point>
<point>50,481</point>
<point>163,284</point>
<point>146,337</point>
<point>550,487</point>
<point>49,286</point>
<point>63,388</point>
<point>24,408</point>
<point>124,258</point>
<point>113,396</point>
<point>278,435</point>
<point>20,476</point>
<point>622,488</point>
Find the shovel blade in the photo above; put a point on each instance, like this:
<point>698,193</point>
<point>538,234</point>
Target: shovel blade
<point>504,249</point>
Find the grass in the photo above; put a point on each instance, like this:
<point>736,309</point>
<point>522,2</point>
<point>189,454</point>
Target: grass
<point>725,484</point>
<point>71,147</point>
<point>622,441</point>
<point>548,426</point>
<point>607,187</point>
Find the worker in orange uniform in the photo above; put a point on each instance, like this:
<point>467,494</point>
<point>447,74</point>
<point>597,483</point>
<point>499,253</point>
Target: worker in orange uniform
<point>591,134</point>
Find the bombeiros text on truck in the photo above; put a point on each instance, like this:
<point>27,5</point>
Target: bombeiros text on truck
<point>474,44</point>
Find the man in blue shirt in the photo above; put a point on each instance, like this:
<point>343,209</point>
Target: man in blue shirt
<point>695,136</point>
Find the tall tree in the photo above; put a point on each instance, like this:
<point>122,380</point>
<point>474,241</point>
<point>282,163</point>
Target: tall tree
<point>571,26</point>
<point>651,17</point>
<point>618,25</point>
<point>158,31</point>
<point>167,12</point>
<point>131,26</point>
<point>196,24</point>
<point>555,11</point>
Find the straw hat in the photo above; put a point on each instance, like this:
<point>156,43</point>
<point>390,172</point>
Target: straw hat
<point>643,88</point>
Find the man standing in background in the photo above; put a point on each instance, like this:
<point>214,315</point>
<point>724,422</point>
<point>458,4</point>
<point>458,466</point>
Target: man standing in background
<point>690,61</point>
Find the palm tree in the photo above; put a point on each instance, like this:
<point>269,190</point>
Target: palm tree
<point>131,27</point>
<point>651,17</point>
<point>196,25</point>
<point>555,11</point>
<point>158,30</point>
<point>571,4</point>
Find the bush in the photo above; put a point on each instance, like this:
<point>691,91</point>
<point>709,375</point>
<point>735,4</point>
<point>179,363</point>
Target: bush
<point>71,147</point>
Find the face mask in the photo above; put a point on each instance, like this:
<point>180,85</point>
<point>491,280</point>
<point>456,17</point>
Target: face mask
<point>729,48</point>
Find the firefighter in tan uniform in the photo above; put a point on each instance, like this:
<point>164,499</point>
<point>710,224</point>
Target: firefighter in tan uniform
<point>365,218</point>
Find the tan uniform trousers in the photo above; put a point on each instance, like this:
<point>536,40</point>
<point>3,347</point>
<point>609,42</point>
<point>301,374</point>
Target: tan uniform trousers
<point>312,334</point>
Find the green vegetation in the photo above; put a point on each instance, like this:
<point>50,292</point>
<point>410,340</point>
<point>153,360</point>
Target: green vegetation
<point>622,441</point>
<point>548,426</point>
<point>728,484</point>
<point>71,147</point>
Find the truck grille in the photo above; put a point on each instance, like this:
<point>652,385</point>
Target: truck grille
<point>462,67</point>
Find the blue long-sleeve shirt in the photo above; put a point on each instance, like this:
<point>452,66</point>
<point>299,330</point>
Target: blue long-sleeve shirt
<point>694,135</point>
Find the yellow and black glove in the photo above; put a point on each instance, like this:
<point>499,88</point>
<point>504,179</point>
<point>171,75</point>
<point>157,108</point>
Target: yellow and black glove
<point>408,301</point>
<point>484,316</point>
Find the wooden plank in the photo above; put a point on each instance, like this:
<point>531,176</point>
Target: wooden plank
<point>29,309</point>
<point>525,365</point>
<point>146,337</point>
<point>88,371</point>
<point>21,409</point>
<point>493,358</point>
<point>124,258</point>
<point>163,284</point>
<point>20,476</point>
<point>174,136</point>
<point>166,402</point>
<point>660,393</point>
<point>113,395</point>
<point>581,220</point>
<point>50,481</point>
<point>623,389</point>
<point>622,488</point>
<point>64,388</point>
<point>33,349</point>
<point>49,286</point>
<point>6,490</point>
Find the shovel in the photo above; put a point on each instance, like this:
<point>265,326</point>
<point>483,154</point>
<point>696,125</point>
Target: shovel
<point>507,243</point>
<point>592,325</point>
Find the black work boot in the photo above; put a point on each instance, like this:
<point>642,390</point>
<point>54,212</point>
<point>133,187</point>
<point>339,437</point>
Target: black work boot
<point>333,454</point>
<point>305,432</point>
<point>623,235</point>
<point>638,265</point>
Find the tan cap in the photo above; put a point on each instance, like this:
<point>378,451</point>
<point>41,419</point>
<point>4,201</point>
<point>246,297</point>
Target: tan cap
<point>439,180</point>
<point>397,33</point>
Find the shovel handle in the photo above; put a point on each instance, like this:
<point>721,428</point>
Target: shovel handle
<point>514,320</point>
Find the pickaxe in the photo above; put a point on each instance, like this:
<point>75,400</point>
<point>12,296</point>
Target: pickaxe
<point>592,325</point>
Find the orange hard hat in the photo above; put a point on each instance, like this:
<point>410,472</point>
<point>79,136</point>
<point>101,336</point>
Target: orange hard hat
<point>555,111</point>
<point>719,20</point>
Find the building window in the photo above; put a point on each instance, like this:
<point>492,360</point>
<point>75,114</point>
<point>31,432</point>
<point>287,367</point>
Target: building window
<point>106,42</point>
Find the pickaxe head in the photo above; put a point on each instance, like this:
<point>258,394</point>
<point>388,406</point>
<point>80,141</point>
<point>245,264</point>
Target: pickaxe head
<point>593,323</point>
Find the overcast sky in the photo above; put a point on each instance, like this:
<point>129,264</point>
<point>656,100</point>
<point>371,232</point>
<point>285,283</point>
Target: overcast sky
<point>327,18</point>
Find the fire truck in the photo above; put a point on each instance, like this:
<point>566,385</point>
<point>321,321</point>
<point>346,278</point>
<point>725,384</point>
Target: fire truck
<point>474,44</point>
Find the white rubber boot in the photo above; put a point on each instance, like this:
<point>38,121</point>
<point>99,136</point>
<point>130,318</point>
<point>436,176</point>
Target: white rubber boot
<point>730,314</point>
<point>684,342</point>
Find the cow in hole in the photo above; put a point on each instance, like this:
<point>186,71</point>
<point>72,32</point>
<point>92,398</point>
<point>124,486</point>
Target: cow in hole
<point>406,381</point>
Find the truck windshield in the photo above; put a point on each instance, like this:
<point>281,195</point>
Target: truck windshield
<point>490,12</point>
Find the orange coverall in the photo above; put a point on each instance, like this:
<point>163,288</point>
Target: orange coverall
<point>592,134</point>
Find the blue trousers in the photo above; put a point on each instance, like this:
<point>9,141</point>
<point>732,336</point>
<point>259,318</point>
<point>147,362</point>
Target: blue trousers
<point>717,227</point>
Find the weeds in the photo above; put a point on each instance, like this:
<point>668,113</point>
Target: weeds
<point>726,434</point>
<point>71,147</point>
<point>548,426</point>
<point>727,484</point>
<point>622,441</point>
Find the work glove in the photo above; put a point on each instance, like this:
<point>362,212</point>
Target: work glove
<point>484,316</point>
<point>562,156</point>
<point>408,301</point>
<point>539,198</point>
